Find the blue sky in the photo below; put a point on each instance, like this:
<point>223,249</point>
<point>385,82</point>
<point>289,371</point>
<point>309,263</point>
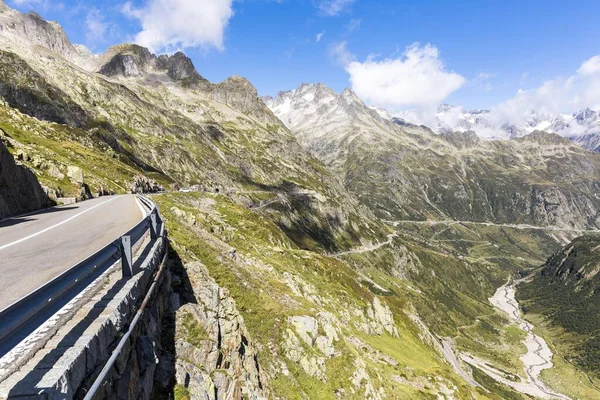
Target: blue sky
<point>480,53</point>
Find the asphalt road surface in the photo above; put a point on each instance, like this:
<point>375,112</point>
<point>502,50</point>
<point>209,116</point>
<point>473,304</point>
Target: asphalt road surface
<point>38,247</point>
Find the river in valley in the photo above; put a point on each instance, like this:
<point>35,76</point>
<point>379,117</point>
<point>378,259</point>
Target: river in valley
<point>538,356</point>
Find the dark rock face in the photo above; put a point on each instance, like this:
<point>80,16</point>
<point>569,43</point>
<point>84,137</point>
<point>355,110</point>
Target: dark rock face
<point>130,63</point>
<point>180,68</point>
<point>133,60</point>
<point>20,191</point>
<point>400,121</point>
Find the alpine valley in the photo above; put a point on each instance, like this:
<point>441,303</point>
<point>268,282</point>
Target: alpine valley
<point>320,249</point>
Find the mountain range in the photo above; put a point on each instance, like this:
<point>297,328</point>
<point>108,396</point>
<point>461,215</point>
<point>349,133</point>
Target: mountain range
<point>582,127</point>
<point>406,171</point>
<point>319,248</point>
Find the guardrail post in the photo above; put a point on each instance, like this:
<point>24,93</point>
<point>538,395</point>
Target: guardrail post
<point>126,259</point>
<point>153,226</point>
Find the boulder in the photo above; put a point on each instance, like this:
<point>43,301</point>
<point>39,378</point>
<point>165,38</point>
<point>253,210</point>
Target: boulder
<point>54,172</point>
<point>142,184</point>
<point>76,174</point>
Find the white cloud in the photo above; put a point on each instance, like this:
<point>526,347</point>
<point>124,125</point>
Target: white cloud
<point>558,95</point>
<point>483,81</point>
<point>353,25</point>
<point>320,36</point>
<point>169,25</point>
<point>96,26</point>
<point>417,79</point>
<point>340,54</point>
<point>43,4</point>
<point>590,67</point>
<point>27,2</point>
<point>333,7</point>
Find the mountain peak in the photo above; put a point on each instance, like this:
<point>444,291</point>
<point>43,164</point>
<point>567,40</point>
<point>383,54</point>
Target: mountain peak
<point>132,60</point>
<point>126,60</point>
<point>180,67</point>
<point>240,84</point>
<point>586,114</point>
<point>349,94</point>
<point>31,29</point>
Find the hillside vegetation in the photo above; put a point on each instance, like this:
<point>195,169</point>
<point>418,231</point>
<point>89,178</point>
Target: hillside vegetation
<point>293,276</point>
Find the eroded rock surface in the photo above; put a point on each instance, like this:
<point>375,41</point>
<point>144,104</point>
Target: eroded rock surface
<point>20,191</point>
<point>216,358</point>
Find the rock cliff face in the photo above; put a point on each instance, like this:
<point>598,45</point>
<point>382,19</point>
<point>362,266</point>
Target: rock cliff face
<point>31,29</point>
<point>215,356</point>
<point>20,191</point>
<point>131,60</point>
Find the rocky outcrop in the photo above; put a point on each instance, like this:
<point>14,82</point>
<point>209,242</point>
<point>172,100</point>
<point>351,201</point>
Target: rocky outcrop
<point>76,174</point>
<point>130,60</point>
<point>142,184</point>
<point>215,356</point>
<point>20,191</point>
<point>307,333</point>
<point>180,68</point>
<point>238,93</point>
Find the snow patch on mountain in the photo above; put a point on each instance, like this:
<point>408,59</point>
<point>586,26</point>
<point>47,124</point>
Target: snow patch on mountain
<point>583,127</point>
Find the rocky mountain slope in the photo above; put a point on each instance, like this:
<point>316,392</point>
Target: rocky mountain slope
<point>20,191</point>
<point>404,171</point>
<point>286,284</point>
<point>159,115</point>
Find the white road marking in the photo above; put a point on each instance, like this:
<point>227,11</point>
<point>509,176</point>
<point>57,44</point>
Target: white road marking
<point>55,226</point>
<point>142,208</point>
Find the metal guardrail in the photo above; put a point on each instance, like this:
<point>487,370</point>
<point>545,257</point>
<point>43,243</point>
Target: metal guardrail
<point>24,311</point>
<point>90,395</point>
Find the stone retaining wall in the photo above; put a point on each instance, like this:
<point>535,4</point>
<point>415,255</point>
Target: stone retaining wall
<point>71,359</point>
<point>133,374</point>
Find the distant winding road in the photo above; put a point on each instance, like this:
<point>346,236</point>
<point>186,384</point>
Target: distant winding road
<point>514,226</point>
<point>367,249</point>
<point>38,247</point>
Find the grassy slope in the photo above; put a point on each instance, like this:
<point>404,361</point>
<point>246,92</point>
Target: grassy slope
<point>495,181</point>
<point>563,300</point>
<point>265,300</point>
<point>59,145</point>
<point>461,267</point>
<point>246,154</point>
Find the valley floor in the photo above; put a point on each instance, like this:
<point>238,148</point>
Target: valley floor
<point>538,356</point>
